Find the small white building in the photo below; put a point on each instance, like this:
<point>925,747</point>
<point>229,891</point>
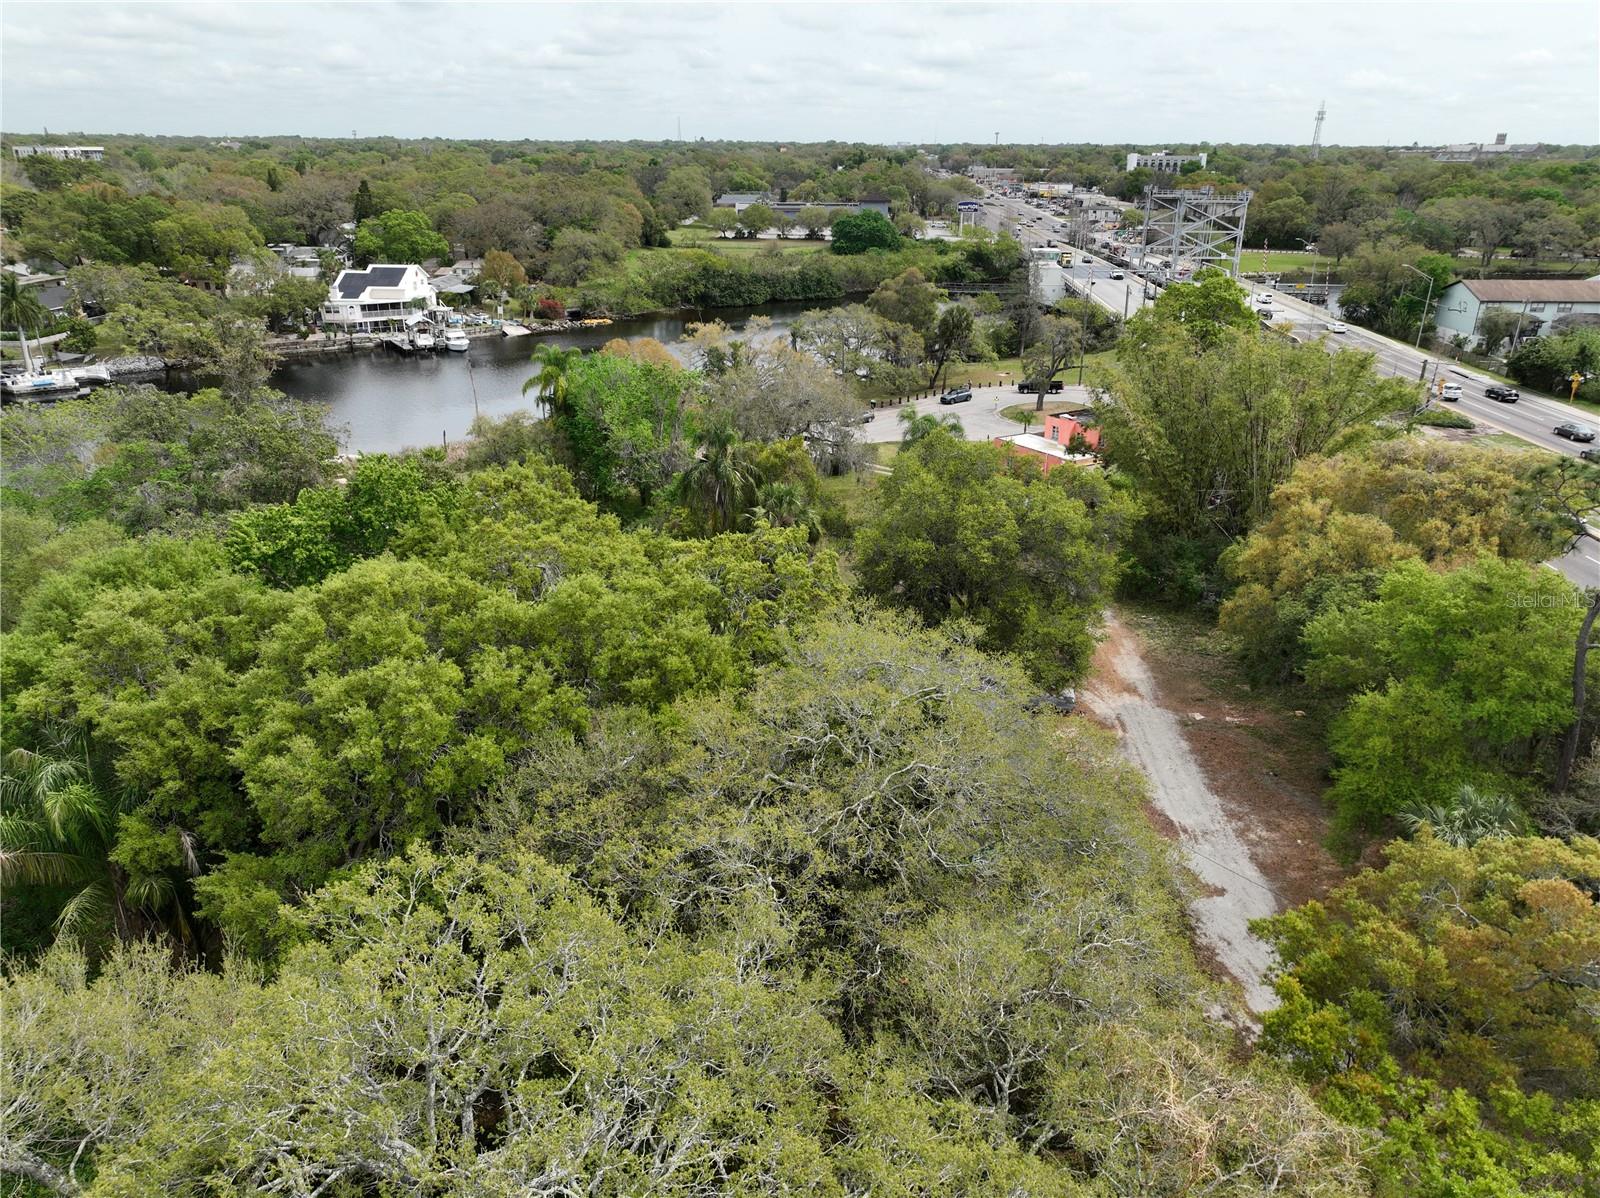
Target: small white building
<point>1543,306</point>
<point>377,299</point>
<point>77,153</point>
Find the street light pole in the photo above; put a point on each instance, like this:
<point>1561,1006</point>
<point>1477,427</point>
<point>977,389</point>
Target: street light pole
<point>1429,299</point>
<point>1310,247</point>
<point>1083,341</point>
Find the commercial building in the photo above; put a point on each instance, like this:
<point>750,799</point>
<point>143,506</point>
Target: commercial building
<point>740,200</point>
<point>992,174</point>
<point>77,153</point>
<point>1067,440</point>
<point>1472,151</point>
<point>378,299</point>
<point>1544,306</point>
<point>1162,162</point>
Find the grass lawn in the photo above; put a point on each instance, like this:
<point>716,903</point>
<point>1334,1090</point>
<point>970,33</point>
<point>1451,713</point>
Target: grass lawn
<point>1282,262</point>
<point>1051,407</point>
<point>698,238</point>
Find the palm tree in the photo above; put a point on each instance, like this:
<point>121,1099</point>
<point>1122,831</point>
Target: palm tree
<point>551,380</point>
<point>783,505</point>
<point>1474,815</point>
<point>920,424</point>
<point>58,824</point>
<point>20,309</point>
<point>715,483</point>
<point>1025,419</point>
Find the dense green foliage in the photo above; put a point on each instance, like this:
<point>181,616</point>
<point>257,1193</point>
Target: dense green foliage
<point>1550,363</point>
<point>1446,1000</point>
<point>453,799</point>
<point>972,531</point>
<point>1338,522</point>
<point>1455,677</point>
<point>554,819</point>
<point>863,231</point>
<point>1208,418</point>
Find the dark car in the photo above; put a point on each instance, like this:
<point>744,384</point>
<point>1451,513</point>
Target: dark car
<point>1574,432</point>
<point>1503,394</point>
<point>956,395</point>
<point>1026,387</point>
<point>1589,455</point>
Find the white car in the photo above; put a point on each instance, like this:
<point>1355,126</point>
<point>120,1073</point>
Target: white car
<point>1338,326</point>
<point>1450,391</point>
<point>1264,298</point>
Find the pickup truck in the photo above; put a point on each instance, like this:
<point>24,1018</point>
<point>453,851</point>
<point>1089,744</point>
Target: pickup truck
<point>1026,387</point>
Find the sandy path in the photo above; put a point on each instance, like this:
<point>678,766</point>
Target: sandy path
<point>1123,693</point>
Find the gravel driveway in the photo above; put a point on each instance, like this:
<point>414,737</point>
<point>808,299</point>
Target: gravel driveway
<point>1123,694</point>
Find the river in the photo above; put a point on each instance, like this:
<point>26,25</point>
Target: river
<point>383,401</point>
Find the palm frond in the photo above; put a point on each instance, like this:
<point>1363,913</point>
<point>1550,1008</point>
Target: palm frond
<point>39,867</point>
<point>151,893</point>
<point>90,906</point>
<point>77,809</point>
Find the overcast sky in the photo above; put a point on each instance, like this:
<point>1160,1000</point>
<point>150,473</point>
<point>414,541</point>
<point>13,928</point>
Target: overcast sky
<point>1391,73</point>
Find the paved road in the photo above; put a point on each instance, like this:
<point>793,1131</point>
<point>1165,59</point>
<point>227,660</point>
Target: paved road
<point>1531,418</point>
<point>980,419</point>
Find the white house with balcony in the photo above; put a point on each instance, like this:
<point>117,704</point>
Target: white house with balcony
<point>378,299</point>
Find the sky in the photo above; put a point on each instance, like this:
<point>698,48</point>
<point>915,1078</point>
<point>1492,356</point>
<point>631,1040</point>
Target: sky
<point>1142,73</point>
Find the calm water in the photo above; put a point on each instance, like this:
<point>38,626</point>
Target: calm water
<point>388,401</point>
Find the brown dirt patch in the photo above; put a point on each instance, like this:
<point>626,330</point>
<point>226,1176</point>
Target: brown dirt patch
<point>1267,766</point>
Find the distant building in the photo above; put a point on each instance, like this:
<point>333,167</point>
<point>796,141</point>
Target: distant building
<point>77,153</point>
<point>1162,162</point>
<point>792,207</point>
<point>50,290</point>
<point>992,174</point>
<point>1544,306</point>
<point>1050,453</point>
<point>377,299</point>
<point>740,200</point>
<point>1472,151</point>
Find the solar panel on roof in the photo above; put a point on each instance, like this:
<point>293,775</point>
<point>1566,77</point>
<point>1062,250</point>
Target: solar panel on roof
<point>353,282</point>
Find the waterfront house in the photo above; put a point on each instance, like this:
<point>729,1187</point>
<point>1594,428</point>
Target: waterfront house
<point>377,299</point>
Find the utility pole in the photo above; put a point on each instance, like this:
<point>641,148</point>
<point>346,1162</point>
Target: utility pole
<point>1424,318</point>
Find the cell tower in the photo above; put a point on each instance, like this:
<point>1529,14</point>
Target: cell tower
<point>1193,229</point>
<point>1316,136</point>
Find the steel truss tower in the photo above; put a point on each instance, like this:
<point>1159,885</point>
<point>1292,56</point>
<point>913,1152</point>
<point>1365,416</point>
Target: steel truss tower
<point>1194,228</point>
<point>1316,136</point>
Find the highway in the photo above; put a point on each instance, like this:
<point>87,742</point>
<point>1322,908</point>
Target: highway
<point>1531,418</point>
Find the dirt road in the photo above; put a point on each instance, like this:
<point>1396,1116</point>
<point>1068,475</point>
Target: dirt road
<point>1123,693</point>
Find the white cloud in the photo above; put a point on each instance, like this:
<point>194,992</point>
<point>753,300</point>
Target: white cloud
<point>1142,73</point>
